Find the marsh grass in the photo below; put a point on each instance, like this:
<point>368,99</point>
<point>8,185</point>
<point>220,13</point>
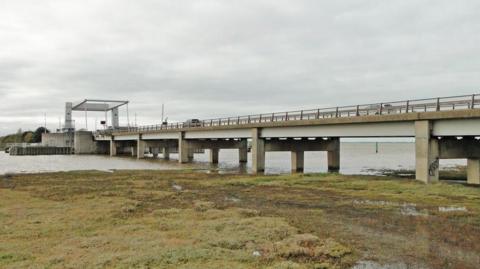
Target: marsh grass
<point>135,219</point>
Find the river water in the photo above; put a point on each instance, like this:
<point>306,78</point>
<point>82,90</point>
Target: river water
<point>355,158</point>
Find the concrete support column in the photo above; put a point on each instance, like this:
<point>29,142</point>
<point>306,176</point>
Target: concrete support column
<point>166,153</point>
<point>473,171</point>
<point>141,145</point>
<point>113,147</point>
<point>214,155</point>
<point>243,151</point>
<point>258,151</point>
<point>155,152</point>
<point>426,153</point>
<point>190,153</point>
<point>297,161</point>
<point>133,150</point>
<point>183,149</point>
<point>333,156</point>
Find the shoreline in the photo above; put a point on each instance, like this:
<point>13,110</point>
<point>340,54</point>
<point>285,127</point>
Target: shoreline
<point>453,174</point>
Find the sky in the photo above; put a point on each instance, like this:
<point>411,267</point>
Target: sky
<point>215,58</point>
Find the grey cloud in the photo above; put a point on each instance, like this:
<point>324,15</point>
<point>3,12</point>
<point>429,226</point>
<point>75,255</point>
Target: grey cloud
<point>217,58</point>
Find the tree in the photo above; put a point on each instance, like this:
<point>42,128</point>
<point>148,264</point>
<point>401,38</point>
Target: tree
<point>37,135</point>
<point>27,137</point>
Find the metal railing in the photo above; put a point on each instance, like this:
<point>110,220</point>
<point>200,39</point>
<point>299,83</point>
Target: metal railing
<point>386,108</point>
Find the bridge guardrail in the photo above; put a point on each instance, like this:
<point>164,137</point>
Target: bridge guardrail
<point>397,107</point>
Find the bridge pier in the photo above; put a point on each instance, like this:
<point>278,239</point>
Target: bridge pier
<point>113,147</point>
<point>426,153</point>
<point>297,161</point>
<point>429,150</point>
<point>214,146</point>
<point>473,171</point>
<point>141,146</point>
<point>333,155</point>
<point>468,147</point>
<point>185,154</point>
<point>161,145</point>
<point>190,153</point>
<point>258,151</point>
<point>214,155</point>
<point>166,153</point>
<point>297,147</point>
<point>243,151</point>
<point>154,151</point>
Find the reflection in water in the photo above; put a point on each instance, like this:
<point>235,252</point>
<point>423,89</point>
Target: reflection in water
<point>356,158</point>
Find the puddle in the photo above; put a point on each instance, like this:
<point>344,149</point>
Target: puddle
<point>406,209</point>
<point>409,209</point>
<point>452,209</point>
<point>382,203</point>
<point>177,187</point>
<point>232,199</point>
<point>375,265</point>
<point>412,211</point>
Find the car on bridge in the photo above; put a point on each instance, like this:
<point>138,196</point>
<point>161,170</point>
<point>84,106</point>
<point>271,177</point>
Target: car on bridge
<point>380,108</point>
<point>192,123</point>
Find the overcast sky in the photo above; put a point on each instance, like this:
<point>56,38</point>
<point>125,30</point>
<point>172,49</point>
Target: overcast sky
<point>207,58</point>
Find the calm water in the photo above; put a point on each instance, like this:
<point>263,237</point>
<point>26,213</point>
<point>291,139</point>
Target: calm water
<point>356,158</point>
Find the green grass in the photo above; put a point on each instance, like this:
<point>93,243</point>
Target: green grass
<point>135,219</point>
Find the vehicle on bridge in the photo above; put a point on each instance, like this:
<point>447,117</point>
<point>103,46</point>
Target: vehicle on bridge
<point>380,108</point>
<point>192,123</point>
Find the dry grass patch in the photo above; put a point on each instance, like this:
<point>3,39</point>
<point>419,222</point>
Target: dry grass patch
<point>178,219</point>
<point>117,223</point>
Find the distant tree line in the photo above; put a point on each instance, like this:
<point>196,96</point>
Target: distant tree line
<point>23,137</point>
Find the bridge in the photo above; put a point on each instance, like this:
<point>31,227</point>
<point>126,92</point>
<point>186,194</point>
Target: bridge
<point>443,128</point>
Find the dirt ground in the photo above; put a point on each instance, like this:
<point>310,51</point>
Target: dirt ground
<point>191,219</point>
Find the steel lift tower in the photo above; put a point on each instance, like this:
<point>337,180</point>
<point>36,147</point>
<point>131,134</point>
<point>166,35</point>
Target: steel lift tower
<point>94,105</point>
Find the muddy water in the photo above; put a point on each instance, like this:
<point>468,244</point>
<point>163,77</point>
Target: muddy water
<point>356,158</point>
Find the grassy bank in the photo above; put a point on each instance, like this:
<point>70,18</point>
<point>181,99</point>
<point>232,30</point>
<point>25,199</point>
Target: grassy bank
<point>186,219</point>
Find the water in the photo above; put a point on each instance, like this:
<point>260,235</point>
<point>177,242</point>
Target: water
<point>375,265</point>
<point>356,158</point>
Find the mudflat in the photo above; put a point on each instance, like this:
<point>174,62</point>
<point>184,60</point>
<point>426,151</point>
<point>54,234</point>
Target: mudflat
<point>193,219</point>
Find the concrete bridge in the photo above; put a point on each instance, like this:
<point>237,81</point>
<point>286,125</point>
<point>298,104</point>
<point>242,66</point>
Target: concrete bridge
<point>443,128</point>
